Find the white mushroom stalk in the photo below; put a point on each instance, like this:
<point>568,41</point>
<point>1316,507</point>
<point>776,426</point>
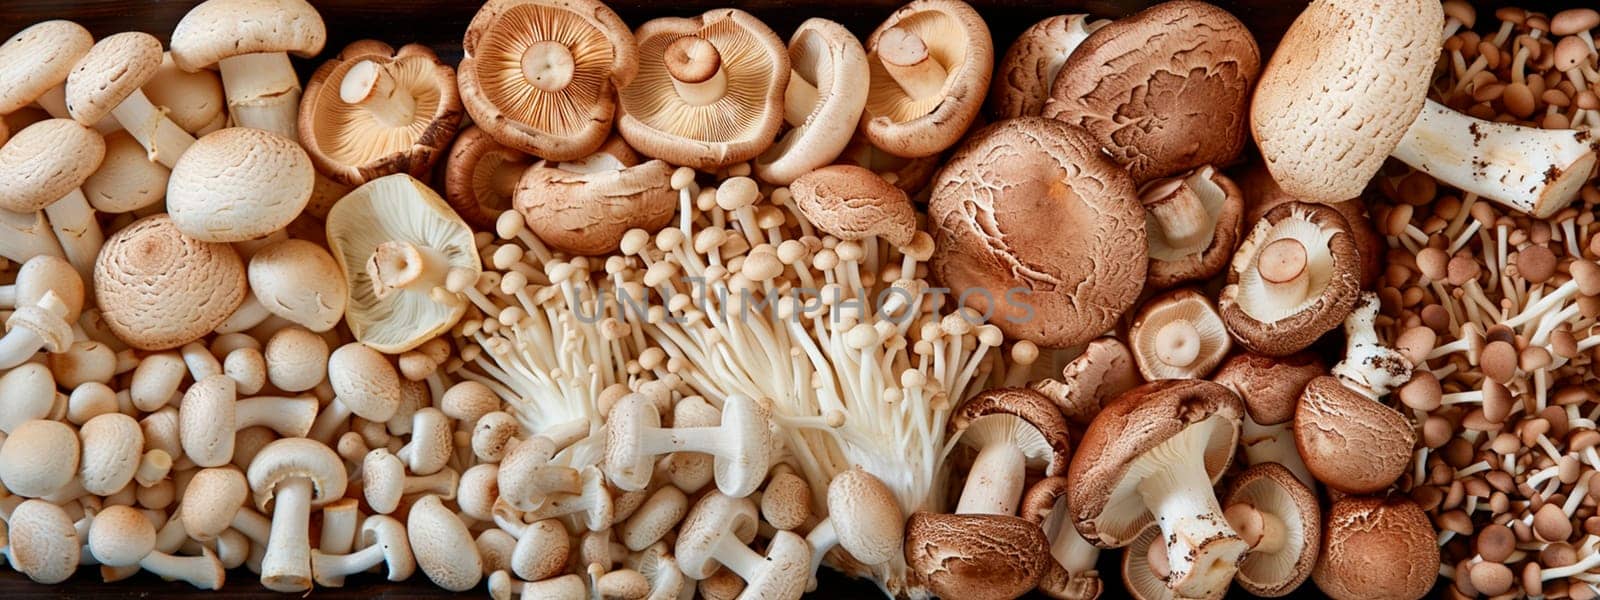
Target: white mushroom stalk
<point>1172,480</point>
<point>1369,367</point>
<point>371,86</point>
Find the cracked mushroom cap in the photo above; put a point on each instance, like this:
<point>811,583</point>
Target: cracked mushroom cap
<point>1028,71</point>
<point>931,61</point>
<point>397,243</point>
<point>1183,71</point>
<point>1279,516</point>
<point>978,557</point>
<point>709,92</point>
<point>585,206</point>
<point>1116,448</point>
<point>1377,548</point>
<point>219,29</point>
<point>1270,386</point>
<point>1040,230</point>
<point>373,111</point>
<point>826,93</point>
<point>1018,416</point>
<point>1262,194</point>
<point>1350,442</point>
<point>45,161</point>
<point>1103,371</point>
<point>1341,90</point>
<point>1178,335</point>
<point>158,288</point>
<point>539,75</point>
<point>113,69</point>
<point>298,281</point>
<point>1193,224</point>
<point>481,176</point>
<point>239,184</point>
<point>1295,277</point>
<point>852,203</point>
<point>37,59</point>
<point>290,458</point>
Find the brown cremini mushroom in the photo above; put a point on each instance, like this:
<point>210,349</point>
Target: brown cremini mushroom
<point>249,41</point>
<point>1028,70</point>
<point>1013,431</point>
<point>1193,224</point>
<point>1377,548</point>
<point>1072,574</point>
<point>852,203</point>
<point>978,557</point>
<point>930,61</point>
<point>1178,335</point>
<point>481,176</point>
<point>158,288</point>
<point>373,111</point>
<point>1294,277</point>
<point>1270,388</point>
<point>585,206</point>
<point>823,101</point>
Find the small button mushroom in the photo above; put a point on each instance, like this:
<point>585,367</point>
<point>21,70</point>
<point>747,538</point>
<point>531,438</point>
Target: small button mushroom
<point>481,175</point>
<point>107,82</point>
<point>495,546</point>
<point>30,393</point>
<point>297,360</point>
<point>155,381</point>
<point>298,281</point>
<point>238,184</point>
<point>931,61</point>
<point>406,257</point>
<point>656,518</point>
<point>83,362</point>
<point>740,444</point>
<point>247,368</point>
<point>1278,517</point>
<point>717,533</point>
<point>211,501</point>
<point>852,203</point>
<point>112,447</point>
<point>38,458</point>
<point>432,442</point>
<point>1270,388</point>
<point>43,167</point>
<point>384,482</point>
<point>658,568</point>
<point>494,436</point>
<point>709,91</point>
<point>1153,454</point>
<point>193,100</point>
<point>591,504</point>
<point>1012,430</point>
<point>585,205</point>
<point>121,536</point>
<point>30,329</point>
<point>1294,277</point>
<point>41,542</point>
<point>1029,68</point>
<point>384,542</point>
<point>373,111</point>
<point>40,274</point>
<point>541,549</point>
<point>528,477</point>
<point>864,519</point>
<point>38,60</point>
<point>822,102</point>
<point>211,414</point>
<point>468,401</point>
<point>786,501</point>
<point>565,587</point>
<point>161,432</point>
<point>1105,369</point>
<point>1071,574</point>
<point>127,179</point>
<point>295,475</point>
<point>981,557</point>
<point>249,42</point>
<point>1193,224</point>
<point>442,545</point>
<point>1178,335</point>
<point>1377,548</point>
<point>478,490</point>
<point>158,288</point>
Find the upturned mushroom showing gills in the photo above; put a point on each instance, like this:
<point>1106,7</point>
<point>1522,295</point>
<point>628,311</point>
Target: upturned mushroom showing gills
<point>539,75</point>
<point>584,206</point>
<point>374,111</point>
<point>931,62</point>
<point>1037,230</point>
<point>1193,224</point>
<point>1278,516</point>
<point>406,258</point>
<point>481,176</point>
<point>822,103</point>
<point>1029,68</point>
<point>1013,431</point>
<point>1294,278</point>
<point>250,41</point>
<point>709,92</point>
<point>1153,455</point>
<point>1178,335</point>
<point>1165,90</point>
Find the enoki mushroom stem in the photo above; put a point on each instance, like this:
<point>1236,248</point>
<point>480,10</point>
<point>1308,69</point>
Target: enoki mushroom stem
<point>371,86</point>
<point>548,65</point>
<point>1282,264</point>
<point>905,56</point>
<point>696,69</point>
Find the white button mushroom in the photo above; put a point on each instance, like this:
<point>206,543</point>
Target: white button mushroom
<point>39,458</point>
<point>717,533</point>
<point>211,502</point>
<point>239,184</point>
<point>442,546</point>
<point>740,444</point>
<point>41,542</point>
<point>385,543</point>
<point>112,447</point>
<point>248,40</point>
<point>44,167</point>
<point>384,482</point>
<point>294,474</point>
<point>37,61</point>
<point>30,393</point>
<point>107,81</point>
<point>298,281</point>
<point>121,536</point>
<point>864,519</point>
<point>211,413</point>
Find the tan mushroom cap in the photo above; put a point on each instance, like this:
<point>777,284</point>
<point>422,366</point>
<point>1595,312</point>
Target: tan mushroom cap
<point>37,59</point>
<point>1324,142</point>
<point>1178,335</point>
<point>540,75</point>
<point>1182,70</point>
<point>219,29</point>
<point>584,207</point>
<point>239,184</point>
<point>1310,282</point>
<point>1018,408</point>
<point>364,382</point>
<point>1262,194</point>
<point>977,557</point>
<point>373,111</point>
<point>1193,224</point>
<point>826,93</point>
<point>709,91</point>
<point>866,516</point>
<point>113,69</point>
<point>948,56</point>
<point>1377,548</point>
<point>853,203</point>
<point>43,543</point>
<point>481,176</point>
<point>1103,371</point>
<point>112,444</point>
<point>158,288</point>
<point>194,100</point>
<point>1028,70</point>
<point>290,458</point>
<point>210,501</point>
<point>1058,251</point>
<point>45,161</point>
<point>437,537</point>
<point>1270,386</point>
<point>1271,489</point>
<point>298,281</point>
<point>127,179</point>
<point>38,458</point>
<point>1350,442</point>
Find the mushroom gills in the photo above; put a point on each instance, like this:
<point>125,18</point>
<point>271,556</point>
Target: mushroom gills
<point>911,58</point>
<point>1275,288</point>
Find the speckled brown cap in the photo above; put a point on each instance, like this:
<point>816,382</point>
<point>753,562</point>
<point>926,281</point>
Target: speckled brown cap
<point>975,557</point>
<point>1377,548</point>
<point>1269,386</point>
<point>585,207</point>
<point>1259,318</point>
<point>159,289</point>
<point>853,203</point>
<point>1350,442</point>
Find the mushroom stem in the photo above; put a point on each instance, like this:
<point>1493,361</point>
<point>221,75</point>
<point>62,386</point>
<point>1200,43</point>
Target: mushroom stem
<point>1177,210</point>
<point>204,571</point>
<point>335,567</point>
<point>20,342</point>
<point>1070,550</point>
<point>995,483</point>
<point>695,66</point>
<point>164,140</point>
<point>1263,531</point>
<point>371,86</point>
<point>77,231</point>
<point>1178,343</point>
<point>905,56</point>
<point>822,538</point>
<point>548,65</point>
<point>287,564</point>
<point>400,265</point>
<point>24,236</point>
<point>263,92</point>
<point>1282,264</point>
<point>1203,552</point>
<point>799,99</point>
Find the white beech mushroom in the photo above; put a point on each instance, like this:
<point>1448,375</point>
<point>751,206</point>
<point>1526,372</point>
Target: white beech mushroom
<point>364,384</point>
<point>481,176</point>
<point>709,91</point>
<point>121,536</point>
<point>718,531</point>
<point>864,519</point>
<point>38,458</point>
<point>1072,576</point>
<point>239,184</point>
<point>584,206</point>
<point>740,443</point>
<point>978,557</point>
<point>1028,71</point>
<point>1294,277</point>
<point>1278,516</point>
<point>1193,223</point>
<point>1013,431</point>
<point>113,445</point>
<point>36,63</point>
<point>384,542</point>
<point>107,81</point>
<point>373,111</point>
<point>158,288</point>
<point>822,103</point>
<point>1377,548</point>
<point>1270,388</point>
<point>294,475</point>
<point>43,168</point>
<point>41,542</point>
<point>30,393</point>
<point>249,41</point>
<point>211,413</point>
<point>930,65</point>
<point>1178,335</point>
<point>442,546</point>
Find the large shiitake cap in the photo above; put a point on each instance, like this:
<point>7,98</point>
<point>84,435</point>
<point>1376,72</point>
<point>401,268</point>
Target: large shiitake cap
<point>1031,212</point>
<point>47,161</point>
<point>931,61</point>
<point>158,288</point>
<point>1182,70</point>
<point>1350,442</point>
<point>584,207</point>
<point>374,111</point>
<point>220,29</point>
<point>1280,518</point>
<point>975,557</point>
<point>1295,277</point>
<point>1324,141</point>
<point>1028,71</point>
<point>1377,548</point>
<point>112,70</point>
<point>852,203</point>
<point>239,184</point>
<point>37,59</point>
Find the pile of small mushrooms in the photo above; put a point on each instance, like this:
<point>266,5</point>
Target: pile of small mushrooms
<point>695,309</point>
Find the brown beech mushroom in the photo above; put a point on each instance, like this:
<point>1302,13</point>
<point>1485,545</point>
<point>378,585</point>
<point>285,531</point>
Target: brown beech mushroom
<point>239,184</point>
<point>826,93</point>
<point>250,41</point>
<point>930,62</point>
<point>481,176</point>
<point>709,92</point>
<point>1103,371</point>
<point>1277,515</point>
<point>1377,548</point>
<point>584,206</point>
<point>35,62</point>
<point>1178,335</point>
<point>211,413</point>
<point>1193,224</point>
<point>107,82</point>
<point>1182,70</point>
<point>852,203</point>
<point>42,169</point>
<point>1295,276</point>
<point>1028,70</point>
<point>1270,388</point>
<point>406,257</point>
<point>294,475</point>
<point>1072,574</point>
<point>158,288</point>
<point>1153,455</point>
<point>373,111</point>
<point>978,557</point>
<point>1057,254</point>
<point>1012,430</point>
<point>539,75</point>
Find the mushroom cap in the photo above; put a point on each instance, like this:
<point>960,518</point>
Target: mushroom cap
<point>741,124</point>
<point>298,281</point>
<point>112,70</point>
<point>1270,386</point>
<point>958,40</point>
<point>210,501</point>
<point>1272,489</point>
<point>712,517</point>
<point>1104,370</point>
<point>43,543</point>
<point>1105,504</point>
<point>351,144</point>
<point>977,557</point>
<point>826,57</point>
<point>1040,506</point>
<point>194,101</point>
<point>37,59</point>
<point>437,539</point>
<point>38,458</point>
<point>297,360</point>
<point>158,288</point>
<point>206,420</point>
<point>1185,257</point>
<point>239,184</point>
<point>398,208</point>
<point>471,173</point>
<point>112,443</point>
<point>1183,70</point>
<point>853,203</point>
<point>364,381</point>
<point>1343,87</point>
<point>31,388</point>
<point>1350,442</point>
<point>1178,335</point>
<point>383,478</point>
<point>584,207</point>
<point>219,29</point>
<point>1037,228</point>
<point>290,458</point>
<point>127,179</point>
<point>1262,194</point>
<point>1019,416</point>
<point>1268,325</point>
<point>119,536</point>
<point>564,124</point>
<point>785,568</point>
<point>1377,548</point>
<point>866,516</point>
<point>1027,72</point>
<point>45,161</point>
